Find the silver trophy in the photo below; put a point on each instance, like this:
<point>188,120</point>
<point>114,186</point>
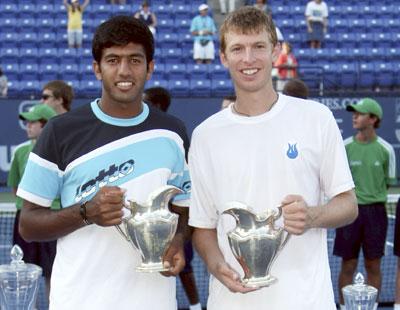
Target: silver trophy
<point>18,283</point>
<point>256,242</point>
<point>359,296</point>
<point>150,227</point>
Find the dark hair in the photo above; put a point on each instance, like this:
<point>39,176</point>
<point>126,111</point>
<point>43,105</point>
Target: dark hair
<point>120,31</point>
<point>296,88</point>
<point>60,89</point>
<point>158,97</point>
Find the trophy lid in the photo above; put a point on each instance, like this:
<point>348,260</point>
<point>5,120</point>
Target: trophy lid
<point>359,288</point>
<point>18,267</point>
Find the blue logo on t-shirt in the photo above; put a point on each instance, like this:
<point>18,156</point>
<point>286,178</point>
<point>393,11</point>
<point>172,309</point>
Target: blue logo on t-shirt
<point>292,151</point>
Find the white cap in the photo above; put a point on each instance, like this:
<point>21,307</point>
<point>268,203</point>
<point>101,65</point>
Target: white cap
<point>203,7</point>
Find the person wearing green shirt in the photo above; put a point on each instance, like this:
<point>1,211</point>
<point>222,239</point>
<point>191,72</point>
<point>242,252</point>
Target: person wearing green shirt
<point>39,253</point>
<point>373,166</point>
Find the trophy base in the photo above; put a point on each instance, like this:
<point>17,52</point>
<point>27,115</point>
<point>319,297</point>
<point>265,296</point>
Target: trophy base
<point>259,282</point>
<point>151,267</point>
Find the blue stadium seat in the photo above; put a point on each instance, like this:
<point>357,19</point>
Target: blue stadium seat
<point>347,75</point>
<point>67,55</point>
<point>8,25</point>
<point>200,87</point>
<point>165,26</point>
<point>27,25</point>
<point>394,53</point>
<point>186,41</point>
<point>385,75</point>
<point>365,40</point>
<point>28,55</point>
<point>340,25</point>
<point>27,10</point>
<point>11,70</point>
<point>375,25</point>
<point>179,88</point>
<point>9,39</point>
<point>347,40</point>
<point>171,55</point>
<point>221,87</point>
<point>29,88</point>
<point>44,9</point>
<point>91,88</point>
<point>159,72</point>
<point>157,83</point>
<point>121,9</point>
<point>48,72</point>
<point>357,25</point>
<point>100,11</point>
<point>182,25</point>
<point>312,75</point>
<point>182,10</point>
<point>69,71</point>
<point>367,75</point>
<point>9,10</point>
<point>10,53</point>
<point>86,71</point>
<point>176,71</point>
<point>45,24</point>
<point>28,39</point>
<point>47,39</point>
<point>198,71</point>
<point>218,72</point>
<point>13,88</point>
<point>392,24</point>
<point>167,40</point>
<point>48,56</point>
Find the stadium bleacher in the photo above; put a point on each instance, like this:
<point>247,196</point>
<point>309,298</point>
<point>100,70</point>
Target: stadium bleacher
<point>360,48</point>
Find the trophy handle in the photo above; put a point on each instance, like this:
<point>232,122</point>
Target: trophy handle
<point>119,229</point>
<point>279,213</point>
<point>284,241</point>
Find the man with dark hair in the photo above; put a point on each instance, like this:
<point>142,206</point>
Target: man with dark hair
<point>158,97</point>
<point>373,166</point>
<point>58,95</point>
<point>39,253</point>
<point>295,88</point>
<point>95,158</point>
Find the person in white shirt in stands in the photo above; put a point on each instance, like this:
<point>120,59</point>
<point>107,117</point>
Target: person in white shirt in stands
<point>266,150</point>
<point>317,22</point>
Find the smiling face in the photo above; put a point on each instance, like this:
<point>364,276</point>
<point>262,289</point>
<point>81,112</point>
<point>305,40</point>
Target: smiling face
<point>123,71</point>
<point>249,58</point>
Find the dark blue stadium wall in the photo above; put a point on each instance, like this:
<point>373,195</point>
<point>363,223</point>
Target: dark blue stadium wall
<point>192,112</point>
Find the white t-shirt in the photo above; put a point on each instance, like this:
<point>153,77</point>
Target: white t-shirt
<point>296,148</point>
<point>316,12</point>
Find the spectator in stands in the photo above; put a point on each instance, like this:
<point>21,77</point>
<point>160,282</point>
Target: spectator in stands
<point>263,6</point>
<point>286,65</point>
<point>75,17</point>
<point>223,4</point>
<point>258,152</point>
<point>396,251</point>
<point>296,88</point>
<point>58,95</point>
<point>95,156</point>
<point>160,98</point>
<point>147,16</point>
<point>203,28</point>
<point>39,253</point>
<point>373,166</point>
<point>317,22</point>
<point>227,100</point>
<point>3,84</point>
<point>118,1</point>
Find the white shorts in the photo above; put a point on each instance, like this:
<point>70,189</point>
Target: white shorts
<point>75,37</point>
<point>203,52</point>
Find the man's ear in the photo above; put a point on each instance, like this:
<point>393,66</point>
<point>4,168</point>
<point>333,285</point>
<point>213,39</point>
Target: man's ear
<point>223,59</point>
<point>97,70</point>
<point>150,70</point>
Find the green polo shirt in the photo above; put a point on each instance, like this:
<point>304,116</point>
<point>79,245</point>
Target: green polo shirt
<point>373,166</point>
<point>17,169</point>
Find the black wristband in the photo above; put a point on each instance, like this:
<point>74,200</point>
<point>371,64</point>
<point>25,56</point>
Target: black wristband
<point>82,212</point>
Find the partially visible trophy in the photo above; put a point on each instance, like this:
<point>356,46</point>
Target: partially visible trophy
<point>359,296</point>
<point>256,242</point>
<point>18,283</point>
<point>150,227</point>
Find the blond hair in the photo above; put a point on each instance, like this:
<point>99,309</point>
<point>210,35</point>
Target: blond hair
<point>247,20</point>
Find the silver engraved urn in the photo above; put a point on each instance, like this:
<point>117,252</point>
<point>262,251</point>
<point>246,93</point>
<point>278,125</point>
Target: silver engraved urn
<point>150,227</point>
<point>359,296</point>
<point>19,283</point>
<point>256,242</point>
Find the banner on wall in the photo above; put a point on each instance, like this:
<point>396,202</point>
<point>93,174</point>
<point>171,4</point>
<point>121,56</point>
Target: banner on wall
<point>192,111</point>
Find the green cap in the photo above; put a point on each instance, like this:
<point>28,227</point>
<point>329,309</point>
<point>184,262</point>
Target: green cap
<point>38,112</point>
<point>365,106</point>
